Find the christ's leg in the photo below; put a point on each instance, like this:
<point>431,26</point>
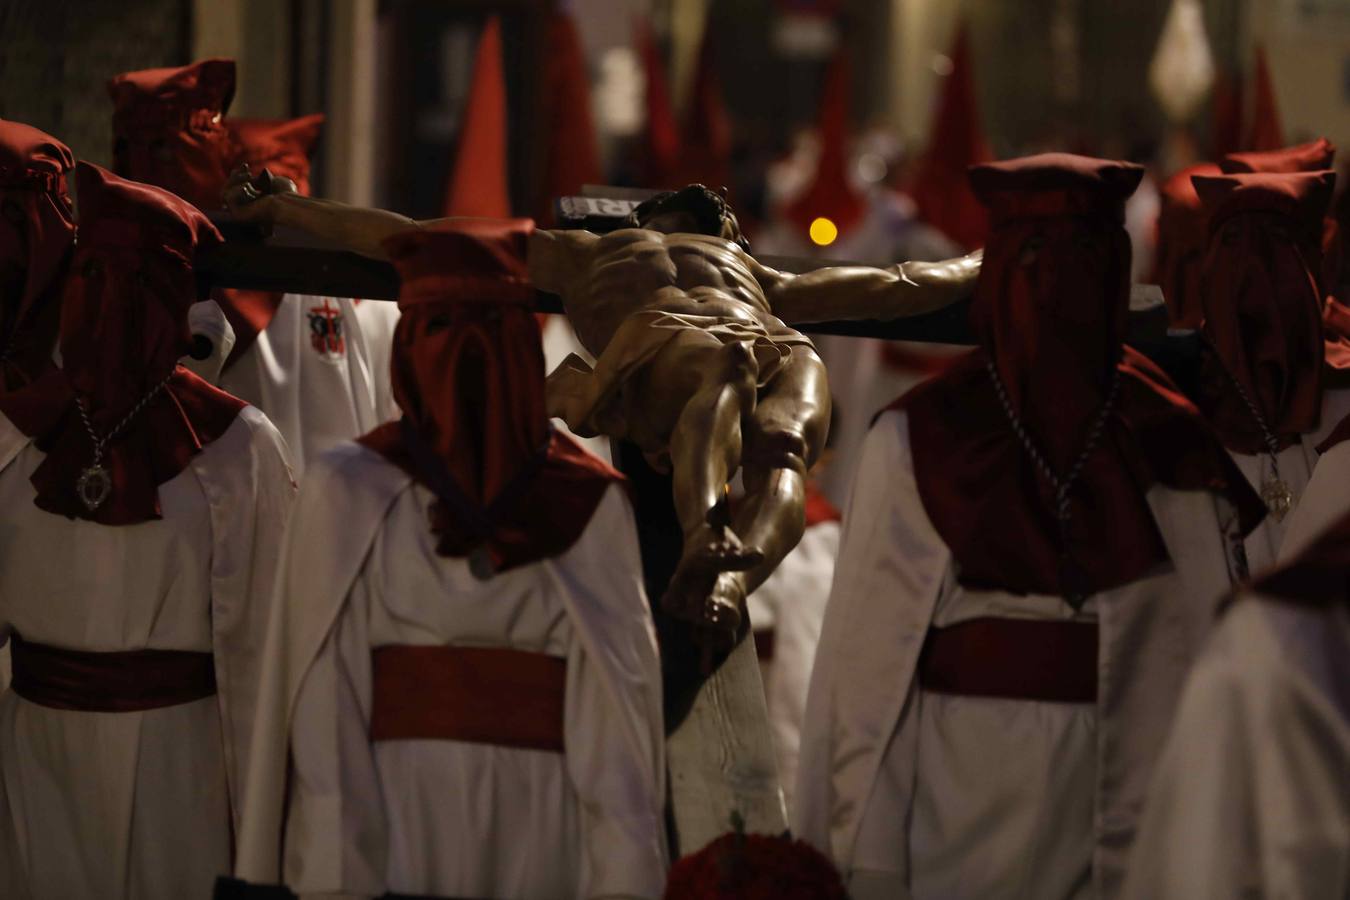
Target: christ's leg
<point>705,449</point>
<point>784,437</point>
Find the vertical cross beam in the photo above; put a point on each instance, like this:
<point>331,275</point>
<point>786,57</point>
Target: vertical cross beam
<point>719,748</point>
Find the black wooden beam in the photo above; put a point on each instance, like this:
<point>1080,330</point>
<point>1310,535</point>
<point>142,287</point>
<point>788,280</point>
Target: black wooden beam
<point>297,268</point>
<point>292,262</point>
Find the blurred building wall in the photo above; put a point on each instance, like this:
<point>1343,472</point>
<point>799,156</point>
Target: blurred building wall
<point>1308,46</point>
<point>56,57</point>
<point>1069,74</point>
<point>257,35</point>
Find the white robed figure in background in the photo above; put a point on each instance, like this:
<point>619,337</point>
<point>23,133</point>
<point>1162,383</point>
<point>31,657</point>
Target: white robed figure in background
<point>317,366</point>
<point>142,524</point>
<point>1031,552</point>
<point>463,695</point>
<point>1251,797</point>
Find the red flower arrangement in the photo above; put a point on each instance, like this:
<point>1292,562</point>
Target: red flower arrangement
<point>755,867</point>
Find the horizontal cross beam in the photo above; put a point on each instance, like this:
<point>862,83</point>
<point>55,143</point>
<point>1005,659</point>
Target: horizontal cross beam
<point>291,263</point>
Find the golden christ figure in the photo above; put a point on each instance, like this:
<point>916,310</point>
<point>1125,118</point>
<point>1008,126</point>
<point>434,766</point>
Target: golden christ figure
<point>694,362</point>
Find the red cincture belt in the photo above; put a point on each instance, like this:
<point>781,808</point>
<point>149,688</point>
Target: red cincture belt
<point>119,681</point>
<point>482,695</point>
<point>1013,659</point>
<point>764,644</point>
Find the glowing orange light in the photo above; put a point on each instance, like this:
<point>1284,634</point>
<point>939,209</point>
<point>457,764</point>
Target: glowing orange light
<point>823,231</point>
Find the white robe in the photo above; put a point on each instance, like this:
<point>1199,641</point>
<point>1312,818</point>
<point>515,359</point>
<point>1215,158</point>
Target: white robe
<point>316,393</point>
<point>139,804</point>
<point>791,602</point>
<point>446,817</point>
<point>1251,797</point>
<point>1316,505</point>
<point>924,795</point>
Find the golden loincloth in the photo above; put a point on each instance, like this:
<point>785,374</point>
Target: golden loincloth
<point>597,401</point>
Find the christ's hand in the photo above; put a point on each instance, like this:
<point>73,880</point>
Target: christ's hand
<point>249,199</point>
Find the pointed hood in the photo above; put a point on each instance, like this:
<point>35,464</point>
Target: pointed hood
<point>1320,242</point>
<point>168,128</point>
<point>956,142</point>
<point>1266,132</point>
<point>830,194</point>
<point>468,373</point>
<point>282,146</point>
<point>707,128</point>
<point>478,183</point>
<point>37,230</point>
<point>1183,236</point>
<point>1261,307</point>
<point>1225,129</point>
<point>1049,313</point>
<point>571,159</point>
<point>1313,156</point>
<point>124,326</point>
<point>660,150</point>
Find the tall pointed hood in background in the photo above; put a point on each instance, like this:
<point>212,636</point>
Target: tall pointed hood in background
<point>1265,133</point>
<point>956,141</point>
<point>1226,115</point>
<point>830,194</point>
<point>478,182</point>
<point>660,151</point>
<point>707,129</point>
<point>571,158</point>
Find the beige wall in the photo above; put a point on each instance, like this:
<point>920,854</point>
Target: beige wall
<point>56,57</point>
<point>257,35</point>
<point>1051,70</point>
<point>1308,45</point>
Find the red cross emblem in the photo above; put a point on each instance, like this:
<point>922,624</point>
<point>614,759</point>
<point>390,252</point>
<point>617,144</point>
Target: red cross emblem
<point>325,329</point>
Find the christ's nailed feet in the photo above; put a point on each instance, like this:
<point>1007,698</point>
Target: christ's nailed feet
<point>723,613</point>
<point>703,591</point>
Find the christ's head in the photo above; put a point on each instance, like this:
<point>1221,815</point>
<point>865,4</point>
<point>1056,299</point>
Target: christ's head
<point>694,209</point>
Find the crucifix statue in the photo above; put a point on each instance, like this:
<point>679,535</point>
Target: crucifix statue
<point>695,363</point>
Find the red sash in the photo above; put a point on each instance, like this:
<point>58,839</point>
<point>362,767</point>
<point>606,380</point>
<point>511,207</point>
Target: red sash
<point>1012,659</point>
<point>119,681</point>
<point>481,695</point>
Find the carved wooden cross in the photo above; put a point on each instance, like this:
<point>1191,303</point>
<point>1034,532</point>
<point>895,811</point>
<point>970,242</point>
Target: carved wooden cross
<point>720,751</point>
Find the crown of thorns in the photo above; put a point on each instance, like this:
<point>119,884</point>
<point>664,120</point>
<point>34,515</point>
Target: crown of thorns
<point>683,198</point>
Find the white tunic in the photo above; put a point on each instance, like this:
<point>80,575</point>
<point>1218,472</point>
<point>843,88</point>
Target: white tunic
<point>791,603</point>
<point>138,804</point>
<point>444,817</point>
<point>1251,797</point>
<point>1325,501</point>
<point>320,371</point>
<point>942,797</point>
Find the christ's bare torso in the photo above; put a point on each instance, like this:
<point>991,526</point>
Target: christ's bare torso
<point>604,280</point>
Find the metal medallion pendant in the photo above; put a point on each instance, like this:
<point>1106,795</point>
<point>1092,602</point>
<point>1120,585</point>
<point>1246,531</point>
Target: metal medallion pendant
<point>1278,498</point>
<point>94,486</point>
<point>481,564</point>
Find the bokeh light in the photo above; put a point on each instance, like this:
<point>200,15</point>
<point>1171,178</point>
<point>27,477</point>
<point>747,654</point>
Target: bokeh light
<point>823,231</point>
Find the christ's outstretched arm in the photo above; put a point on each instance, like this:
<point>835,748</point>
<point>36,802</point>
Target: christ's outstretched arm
<point>860,292</point>
<point>273,201</point>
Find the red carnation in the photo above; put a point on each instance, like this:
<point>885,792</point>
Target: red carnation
<point>755,867</point>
